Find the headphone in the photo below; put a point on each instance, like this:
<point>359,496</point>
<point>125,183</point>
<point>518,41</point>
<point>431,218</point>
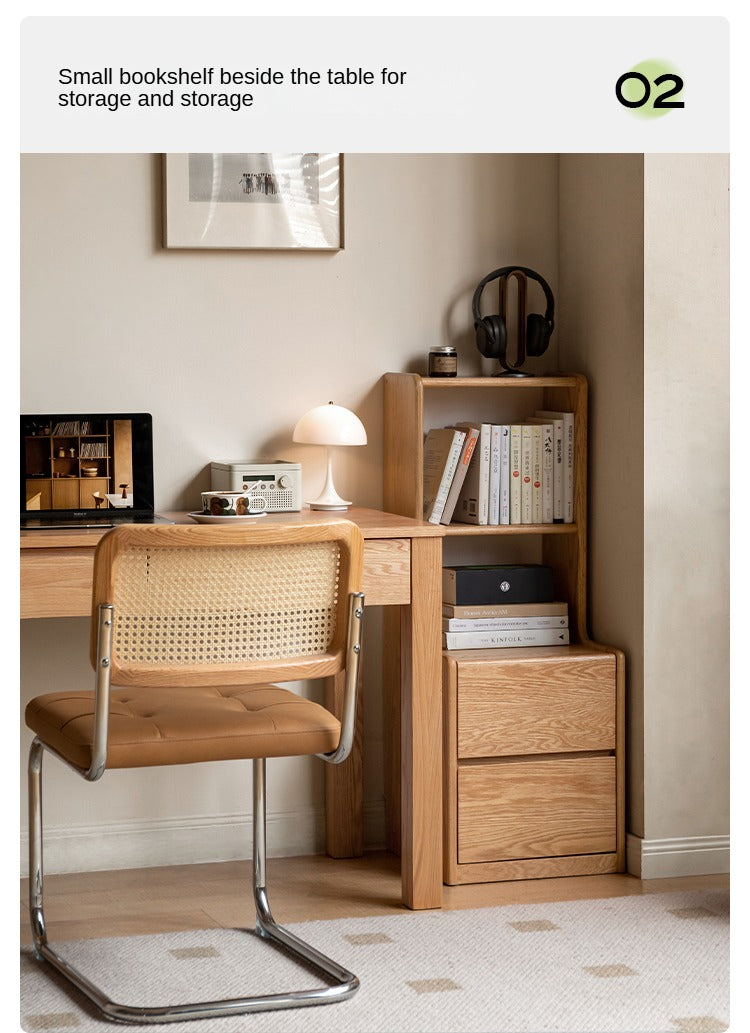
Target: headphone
<point>491,331</point>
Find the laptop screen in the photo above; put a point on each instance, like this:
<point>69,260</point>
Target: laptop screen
<point>80,467</point>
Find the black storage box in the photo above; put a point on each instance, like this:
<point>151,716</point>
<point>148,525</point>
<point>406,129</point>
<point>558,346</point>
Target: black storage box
<point>502,583</point>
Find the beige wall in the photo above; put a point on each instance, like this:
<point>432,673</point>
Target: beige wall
<point>644,252</point>
<point>227,350</point>
<point>686,495</point>
<point>601,324</point>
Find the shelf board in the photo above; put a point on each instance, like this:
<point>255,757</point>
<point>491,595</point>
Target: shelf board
<point>557,380</point>
<point>461,530</point>
<point>498,654</point>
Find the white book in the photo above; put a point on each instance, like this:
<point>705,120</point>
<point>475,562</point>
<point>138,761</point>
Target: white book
<point>493,516</point>
<point>488,610</point>
<point>558,494</point>
<point>568,459</point>
<point>473,499</point>
<point>467,451</point>
<point>442,450</point>
<point>537,460</point>
<point>515,473</point>
<point>502,623</point>
<point>505,639</point>
<point>505,474</point>
<point>548,445</point>
<point>526,473</point>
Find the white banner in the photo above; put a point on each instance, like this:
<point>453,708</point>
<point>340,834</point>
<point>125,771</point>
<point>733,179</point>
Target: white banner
<point>493,84</point>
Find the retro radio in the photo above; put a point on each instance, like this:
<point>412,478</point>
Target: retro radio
<point>280,482</point>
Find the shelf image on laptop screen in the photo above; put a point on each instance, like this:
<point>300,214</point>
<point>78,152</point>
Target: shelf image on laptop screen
<point>86,469</point>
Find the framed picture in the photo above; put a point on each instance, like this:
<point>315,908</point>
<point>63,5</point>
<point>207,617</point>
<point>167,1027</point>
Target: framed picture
<point>253,201</point>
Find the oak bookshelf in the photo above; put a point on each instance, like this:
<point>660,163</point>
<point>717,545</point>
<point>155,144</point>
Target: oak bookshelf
<point>552,801</point>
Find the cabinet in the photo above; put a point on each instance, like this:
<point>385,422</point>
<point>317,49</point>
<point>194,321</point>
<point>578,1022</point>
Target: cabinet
<point>534,761</point>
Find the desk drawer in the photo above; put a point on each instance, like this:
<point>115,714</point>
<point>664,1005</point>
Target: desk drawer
<point>536,808</point>
<point>56,582</point>
<point>550,704</point>
<point>386,572</point>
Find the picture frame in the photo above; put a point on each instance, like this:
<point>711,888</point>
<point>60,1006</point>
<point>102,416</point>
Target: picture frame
<point>263,201</point>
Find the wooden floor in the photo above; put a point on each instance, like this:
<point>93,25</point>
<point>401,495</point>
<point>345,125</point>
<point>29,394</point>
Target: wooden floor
<point>204,896</point>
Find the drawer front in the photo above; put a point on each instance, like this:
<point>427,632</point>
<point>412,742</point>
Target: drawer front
<point>536,808</point>
<point>56,582</point>
<point>545,705</point>
<point>386,571</point>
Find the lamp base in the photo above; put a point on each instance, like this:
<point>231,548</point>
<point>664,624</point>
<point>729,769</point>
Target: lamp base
<point>329,498</point>
<point>341,507</point>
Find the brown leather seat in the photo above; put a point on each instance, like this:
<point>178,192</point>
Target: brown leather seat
<point>185,725</point>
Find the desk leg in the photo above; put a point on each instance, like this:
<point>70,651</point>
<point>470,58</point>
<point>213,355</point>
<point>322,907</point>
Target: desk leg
<point>344,784</point>
<point>421,731</point>
<point>392,727</point>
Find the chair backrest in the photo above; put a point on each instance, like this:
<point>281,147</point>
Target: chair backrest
<point>205,605</point>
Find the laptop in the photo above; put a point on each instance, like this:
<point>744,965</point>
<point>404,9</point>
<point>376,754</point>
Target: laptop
<point>86,470</point>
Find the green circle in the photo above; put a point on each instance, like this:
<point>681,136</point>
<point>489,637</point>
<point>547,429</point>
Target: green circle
<point>633,89</point>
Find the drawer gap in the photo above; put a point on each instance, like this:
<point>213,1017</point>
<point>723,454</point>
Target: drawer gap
<point>468,762</point>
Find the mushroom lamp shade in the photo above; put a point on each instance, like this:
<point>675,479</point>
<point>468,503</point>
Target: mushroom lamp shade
<point>330,425</point>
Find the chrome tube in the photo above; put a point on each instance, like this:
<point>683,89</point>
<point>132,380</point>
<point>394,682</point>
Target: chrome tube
<point>101,692</point>
<point>262,909</point>
<point>342,983</point>
<point>349,707</point>
<point>36,877</point>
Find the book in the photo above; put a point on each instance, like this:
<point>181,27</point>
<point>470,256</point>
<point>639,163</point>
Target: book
<point>505,474</point>
<point>557,609</point>
<point>548,497</point>
<point>499,583</point>
<point>568,458</point>
<point>442,449</point>
<point>467,451</point>
<point>526,473</point>
<point>537,464</point>
<point>473,499</point>
<point>502,623</point>
<point>515,474</point>
<point>505,639</point>
<point>494,503</point>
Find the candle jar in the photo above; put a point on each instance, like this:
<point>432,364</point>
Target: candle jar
<point>443,362</point>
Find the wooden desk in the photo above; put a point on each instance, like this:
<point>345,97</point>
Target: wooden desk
<point>402,562</point>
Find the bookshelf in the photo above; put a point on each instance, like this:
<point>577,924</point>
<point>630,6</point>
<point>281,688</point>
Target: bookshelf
<point>549,799</point>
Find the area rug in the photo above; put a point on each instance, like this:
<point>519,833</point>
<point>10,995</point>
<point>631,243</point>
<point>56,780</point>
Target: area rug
<point>650,963</point>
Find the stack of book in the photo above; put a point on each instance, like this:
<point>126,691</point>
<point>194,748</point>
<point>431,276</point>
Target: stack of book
<point>483,473</point>
<point>502,606</point>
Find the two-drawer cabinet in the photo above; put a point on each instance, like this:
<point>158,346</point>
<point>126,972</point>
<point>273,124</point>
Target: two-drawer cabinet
<point>532,767</point>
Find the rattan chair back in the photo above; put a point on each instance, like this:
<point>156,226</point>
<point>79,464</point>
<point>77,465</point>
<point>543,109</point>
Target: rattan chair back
<point>204,605</point>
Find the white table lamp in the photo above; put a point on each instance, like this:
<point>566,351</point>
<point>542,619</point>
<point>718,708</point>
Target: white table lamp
<point>330,425</point>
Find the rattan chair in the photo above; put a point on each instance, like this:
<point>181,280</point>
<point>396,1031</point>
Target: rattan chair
<point>191,623</point>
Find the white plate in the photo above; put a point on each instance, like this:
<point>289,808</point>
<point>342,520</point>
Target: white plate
<point>206,518</point>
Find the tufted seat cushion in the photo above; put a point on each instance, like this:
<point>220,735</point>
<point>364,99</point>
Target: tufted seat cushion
<point>177,725</point>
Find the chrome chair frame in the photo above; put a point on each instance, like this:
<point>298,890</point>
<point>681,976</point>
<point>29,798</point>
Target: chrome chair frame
<point>343,984</point>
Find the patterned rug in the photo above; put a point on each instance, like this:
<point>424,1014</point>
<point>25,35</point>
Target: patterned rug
<point>622,965</point>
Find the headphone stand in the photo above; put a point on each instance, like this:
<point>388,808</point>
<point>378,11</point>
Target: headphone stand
<point>533,331</point>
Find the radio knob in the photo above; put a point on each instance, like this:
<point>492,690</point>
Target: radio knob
<point>285,481</point>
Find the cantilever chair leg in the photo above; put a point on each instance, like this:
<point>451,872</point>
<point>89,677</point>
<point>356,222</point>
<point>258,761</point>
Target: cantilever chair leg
<point>342,983</point>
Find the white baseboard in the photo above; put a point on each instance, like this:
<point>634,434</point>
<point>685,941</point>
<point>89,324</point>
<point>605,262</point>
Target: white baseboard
<point>672,858</point>
<point>192,840</point>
